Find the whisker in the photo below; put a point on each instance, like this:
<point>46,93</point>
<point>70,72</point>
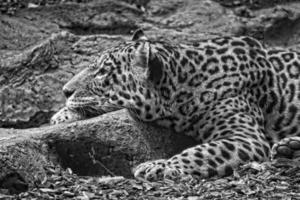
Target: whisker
<point>94,108</point>
<point>82,111</point>
<point>132,109</point>
<point>112,106</point>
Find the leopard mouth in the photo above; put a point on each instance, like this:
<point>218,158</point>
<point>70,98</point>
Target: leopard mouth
<point>89,109</point>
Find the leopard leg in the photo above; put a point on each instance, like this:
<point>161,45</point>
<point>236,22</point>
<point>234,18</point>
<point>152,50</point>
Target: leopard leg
<point>287,148</point>
<point>219,157</point>
<point>235,137</point>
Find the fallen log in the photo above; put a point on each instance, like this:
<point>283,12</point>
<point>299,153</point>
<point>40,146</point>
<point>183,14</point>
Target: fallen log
<point>110,144</point>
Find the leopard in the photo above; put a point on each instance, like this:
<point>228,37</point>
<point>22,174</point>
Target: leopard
<point>239,99</point>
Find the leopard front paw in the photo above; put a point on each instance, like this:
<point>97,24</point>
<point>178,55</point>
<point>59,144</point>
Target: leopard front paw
<point>157,170</point>
<point>65,115</point>
<point>287,148</point>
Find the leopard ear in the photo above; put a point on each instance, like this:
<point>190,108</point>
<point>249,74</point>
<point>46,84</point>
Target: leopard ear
<point>139,35</point>
<point>149,61</point>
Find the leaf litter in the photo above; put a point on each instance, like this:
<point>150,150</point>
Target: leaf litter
<point>277,180</point>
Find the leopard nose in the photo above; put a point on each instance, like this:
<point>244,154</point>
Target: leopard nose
<point>68,92</point>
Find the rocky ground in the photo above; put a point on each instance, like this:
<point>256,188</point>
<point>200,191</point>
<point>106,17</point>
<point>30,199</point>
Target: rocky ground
<point>254,181</point>
<point>44,43</point>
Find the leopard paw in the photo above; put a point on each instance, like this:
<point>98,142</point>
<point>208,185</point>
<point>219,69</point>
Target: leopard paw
<point>65,115</point>
<point>157,170</point>
<point>287,148</point>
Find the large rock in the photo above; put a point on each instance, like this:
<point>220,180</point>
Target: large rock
<point>31,80</point>
<point>111,144</point>
<point>279,26</point>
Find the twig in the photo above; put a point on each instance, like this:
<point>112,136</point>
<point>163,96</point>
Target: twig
<point>92,156</point>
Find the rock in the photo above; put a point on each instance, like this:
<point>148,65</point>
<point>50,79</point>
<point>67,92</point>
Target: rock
<point>29,84</point>
<point>31,81</point>
<point>110,144</point>
<point>253,4</point>
<point>188,21</point>
<point>279,26</point>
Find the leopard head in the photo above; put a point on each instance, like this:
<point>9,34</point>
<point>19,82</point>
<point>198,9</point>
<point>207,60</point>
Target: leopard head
<point>126,76</point>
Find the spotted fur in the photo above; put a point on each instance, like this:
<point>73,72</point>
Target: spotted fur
<point>231,94</point>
